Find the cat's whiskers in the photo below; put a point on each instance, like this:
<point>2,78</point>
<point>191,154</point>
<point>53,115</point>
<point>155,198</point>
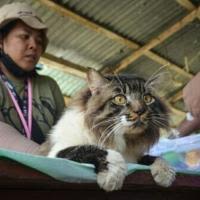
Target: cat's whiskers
<point>104,133</point>
<point>100,123</point>
<point>156,117</point>
<point>154,78</point>
<point>110,119</point>
<point>118,125</point>
<point>101,143</point>
<point>156,74</point>
<point>154,124</point>
<point>158,123</point>
<point>118,129</point>
<point>161,119</point>
<point>159,114</point>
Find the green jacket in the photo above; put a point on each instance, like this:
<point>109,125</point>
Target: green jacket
<point>48,103</point>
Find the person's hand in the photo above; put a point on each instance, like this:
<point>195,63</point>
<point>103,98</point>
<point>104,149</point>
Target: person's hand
<point>191,96</point>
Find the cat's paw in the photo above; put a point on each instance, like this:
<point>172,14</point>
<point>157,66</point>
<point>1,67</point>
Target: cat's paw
<point>162,172</point>
<point>113,176</point>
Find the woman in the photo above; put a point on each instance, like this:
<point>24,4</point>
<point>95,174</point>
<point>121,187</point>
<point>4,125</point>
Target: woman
<point>29,102</point>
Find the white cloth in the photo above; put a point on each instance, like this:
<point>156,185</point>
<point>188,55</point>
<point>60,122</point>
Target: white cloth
<point>178,145</point>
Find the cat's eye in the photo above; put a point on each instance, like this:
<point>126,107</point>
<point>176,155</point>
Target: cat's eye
<point>148,99</point>
<point>119,100</point>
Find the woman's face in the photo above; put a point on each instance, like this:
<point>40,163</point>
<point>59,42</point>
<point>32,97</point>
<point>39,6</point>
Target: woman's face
<point>24,45</point>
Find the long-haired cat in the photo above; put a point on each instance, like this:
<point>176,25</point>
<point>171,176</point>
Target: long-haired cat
<point>114,121</point>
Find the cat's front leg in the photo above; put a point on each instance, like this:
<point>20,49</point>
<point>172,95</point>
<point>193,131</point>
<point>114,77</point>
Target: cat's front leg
<point>162,172</point>
<point>109,165</point>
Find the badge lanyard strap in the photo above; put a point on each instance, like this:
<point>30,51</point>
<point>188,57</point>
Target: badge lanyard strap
<point>26,124</point>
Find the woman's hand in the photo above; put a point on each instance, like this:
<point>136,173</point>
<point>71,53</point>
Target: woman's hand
<point>191,96</point>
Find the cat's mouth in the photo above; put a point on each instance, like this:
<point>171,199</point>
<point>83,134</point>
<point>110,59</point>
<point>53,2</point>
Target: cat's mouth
<point>138,122</point>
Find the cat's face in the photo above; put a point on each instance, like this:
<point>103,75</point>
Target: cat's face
<point>123,105</point>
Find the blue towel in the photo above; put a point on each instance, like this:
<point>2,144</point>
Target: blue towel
<point>70,171</point>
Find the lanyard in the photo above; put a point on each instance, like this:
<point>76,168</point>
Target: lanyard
<point>25,111</point>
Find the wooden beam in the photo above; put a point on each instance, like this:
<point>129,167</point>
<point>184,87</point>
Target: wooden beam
<point>154,42</point>
<point>63,65</point>
<point>97,28</point>
<point>177,111</point>
<point>176,97</point>
<point>87,23</point>
<point>168,64</point>
<point>187,4</point>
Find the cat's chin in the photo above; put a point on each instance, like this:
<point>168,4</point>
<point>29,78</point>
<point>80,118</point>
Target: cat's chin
<point>135,130</point>
<point>138,130</point>
<point>135,125</point>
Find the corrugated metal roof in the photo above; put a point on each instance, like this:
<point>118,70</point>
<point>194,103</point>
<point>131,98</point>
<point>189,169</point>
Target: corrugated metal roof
<point>139,20</point>
<point>69,84</point>
<point>183,45</point>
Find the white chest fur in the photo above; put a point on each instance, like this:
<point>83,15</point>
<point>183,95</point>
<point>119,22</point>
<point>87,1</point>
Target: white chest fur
<point>69,131</point>
<point>120,143</point>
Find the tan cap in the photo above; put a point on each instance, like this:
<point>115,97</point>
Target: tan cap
<point>23,11</point>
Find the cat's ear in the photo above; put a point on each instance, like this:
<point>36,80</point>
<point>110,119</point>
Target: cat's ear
<point>95,81</point>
